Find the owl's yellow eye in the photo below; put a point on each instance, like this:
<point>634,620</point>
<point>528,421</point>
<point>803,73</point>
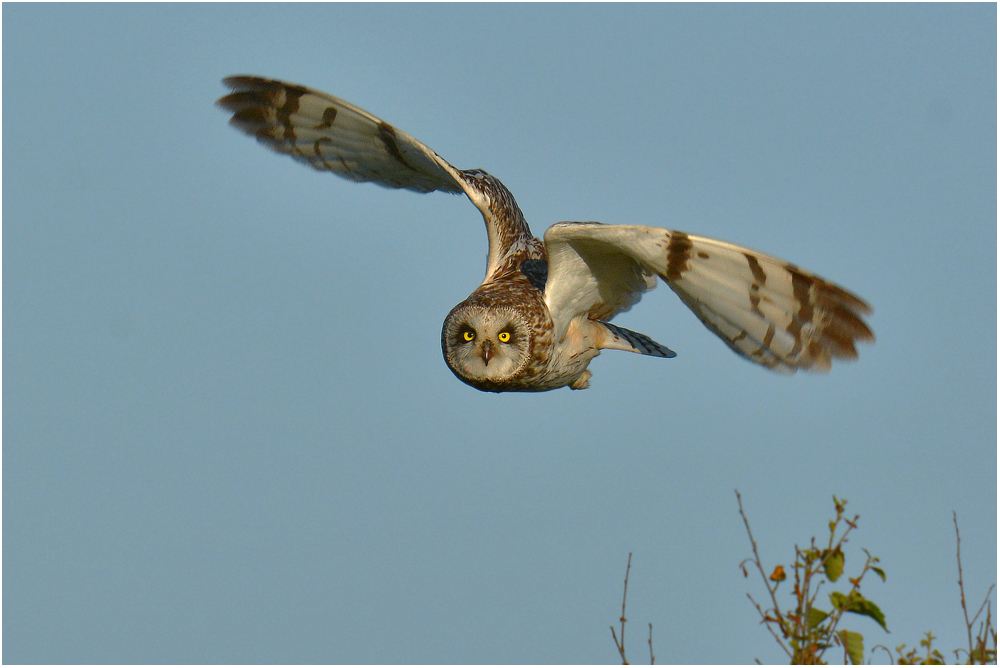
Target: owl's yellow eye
<point>468,335</point>
<point>504,337</point>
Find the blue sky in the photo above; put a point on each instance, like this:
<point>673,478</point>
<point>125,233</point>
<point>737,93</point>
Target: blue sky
<point>230,435</point>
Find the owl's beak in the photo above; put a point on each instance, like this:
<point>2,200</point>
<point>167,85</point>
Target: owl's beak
<point>487,351</point>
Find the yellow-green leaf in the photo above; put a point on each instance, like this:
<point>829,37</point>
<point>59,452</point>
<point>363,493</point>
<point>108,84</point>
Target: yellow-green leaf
<point>854,645</point>
<point>859,605</point>
<point>833,564</point>
<point>816,617</point>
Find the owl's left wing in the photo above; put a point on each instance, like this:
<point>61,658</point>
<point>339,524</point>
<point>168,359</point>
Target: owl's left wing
<point>330,134</point>
<point>333,135</point>
<point>766,310</point>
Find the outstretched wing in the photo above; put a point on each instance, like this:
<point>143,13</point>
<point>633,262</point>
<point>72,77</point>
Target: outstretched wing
<point>766,310</point>
<point>333,135</point>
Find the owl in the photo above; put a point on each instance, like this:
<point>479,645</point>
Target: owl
<point>544,309</point>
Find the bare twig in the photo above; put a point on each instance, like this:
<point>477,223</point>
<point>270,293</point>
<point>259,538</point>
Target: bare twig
<point>652,657</point>
<point>763,575</point>
<point>621,648</point>
<point>892,660</point>
<point>986,630</point>
<point>980,643</point>
<point>763,620</point>
<point>628,568</point>
<point>986,602</point>
<point>961,587</point>
<point>620,644</point>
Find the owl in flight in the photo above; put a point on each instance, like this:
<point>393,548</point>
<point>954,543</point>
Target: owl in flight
<point>543,311</point>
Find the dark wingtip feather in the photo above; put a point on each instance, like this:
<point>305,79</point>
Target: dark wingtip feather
<point>245,81</point>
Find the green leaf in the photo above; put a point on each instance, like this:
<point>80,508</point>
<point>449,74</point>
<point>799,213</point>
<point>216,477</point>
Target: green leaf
<point>854,644</point>
<point>879,572</point>
<point>859,605</point>
<point>833,564</point>
<point>816,617</point>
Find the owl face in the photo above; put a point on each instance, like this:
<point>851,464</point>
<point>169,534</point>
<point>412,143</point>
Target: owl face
<point>485,346</point>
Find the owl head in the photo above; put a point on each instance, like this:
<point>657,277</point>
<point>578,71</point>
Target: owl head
<point>486,346</point>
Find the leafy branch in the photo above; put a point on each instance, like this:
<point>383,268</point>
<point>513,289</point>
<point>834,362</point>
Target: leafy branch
<point>805,631</point>
<point>979,650</point>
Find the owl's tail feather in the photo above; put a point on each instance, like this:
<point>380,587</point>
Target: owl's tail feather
<point>625,339</point>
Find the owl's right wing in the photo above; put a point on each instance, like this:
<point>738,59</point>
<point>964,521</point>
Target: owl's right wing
<point>766,310</point>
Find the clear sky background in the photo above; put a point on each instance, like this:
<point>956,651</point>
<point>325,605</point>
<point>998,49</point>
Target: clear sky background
<point>230,435</point>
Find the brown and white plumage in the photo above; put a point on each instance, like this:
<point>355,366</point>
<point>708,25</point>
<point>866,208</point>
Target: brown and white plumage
<point>540,315</point>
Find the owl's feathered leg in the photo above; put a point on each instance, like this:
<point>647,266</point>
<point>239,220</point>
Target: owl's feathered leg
<point>582,382</point>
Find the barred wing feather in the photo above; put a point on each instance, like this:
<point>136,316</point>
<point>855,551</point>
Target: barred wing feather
<point>769,311</point>
<point>330,134</point>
